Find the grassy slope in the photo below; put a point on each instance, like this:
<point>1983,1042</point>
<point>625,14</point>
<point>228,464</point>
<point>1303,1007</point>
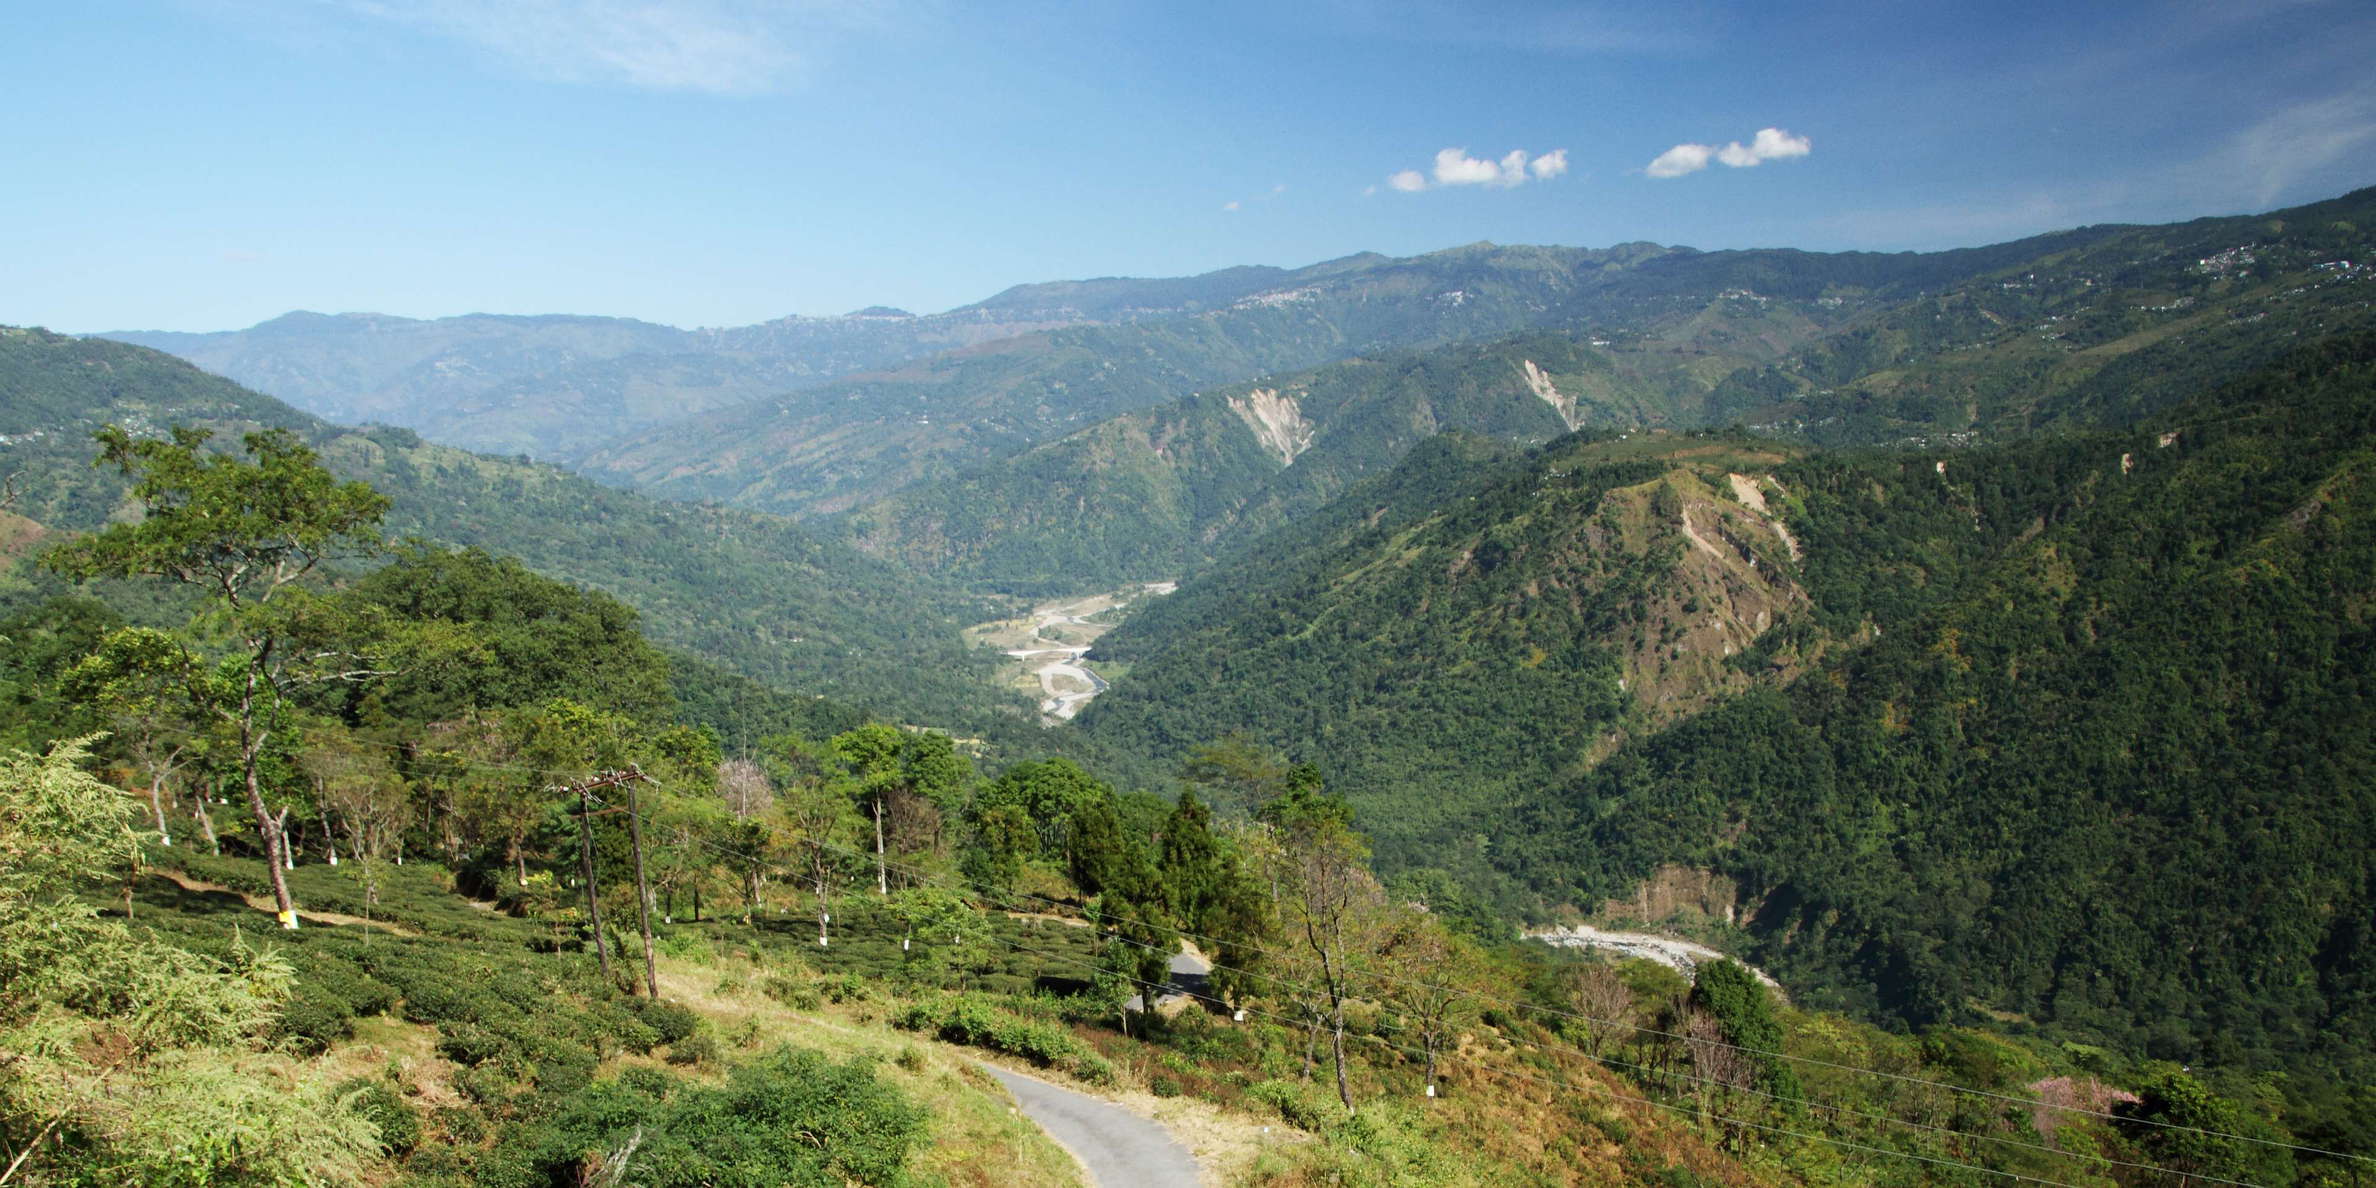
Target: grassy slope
<point>1509,1114</point>
<point>975,1139</point>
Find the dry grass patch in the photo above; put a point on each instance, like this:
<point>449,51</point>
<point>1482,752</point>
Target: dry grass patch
<point>978,1138</point>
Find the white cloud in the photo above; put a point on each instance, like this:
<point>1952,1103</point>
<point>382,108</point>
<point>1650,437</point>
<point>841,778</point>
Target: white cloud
<point>2323,140</point>
<point>1774,144</point>
<point>728,47</point>
<point>1681,159</point>
<point>1454,167</point>
<point>1770,144</point>
<point>1230,205</point>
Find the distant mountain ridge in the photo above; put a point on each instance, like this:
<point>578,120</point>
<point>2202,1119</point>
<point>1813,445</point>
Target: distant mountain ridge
<point>841,445</point>
<point>2090,328</point>
<point>556,385</point>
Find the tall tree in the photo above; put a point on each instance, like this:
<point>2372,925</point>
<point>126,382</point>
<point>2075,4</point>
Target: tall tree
<point>1332,905</point>
<point>870,756</point>
<point>820,821</point>
<point>245,531</point>
<point>154,694</point>
<point>1442,977</point>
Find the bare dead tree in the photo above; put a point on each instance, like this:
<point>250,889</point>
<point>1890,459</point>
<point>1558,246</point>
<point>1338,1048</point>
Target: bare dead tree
<point>1599,993</point>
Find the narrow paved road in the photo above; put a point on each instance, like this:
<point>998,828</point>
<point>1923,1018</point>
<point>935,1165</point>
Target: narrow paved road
<point>1120,1149</point>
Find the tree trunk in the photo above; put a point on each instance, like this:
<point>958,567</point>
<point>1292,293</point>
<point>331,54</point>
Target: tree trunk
<point>823,917</point>
<point>1336,1048</point>
<point>882,868</point>
<point>157,805</point>
<point>586,872</point>
<point>643,894</point>
<point>251,749</point>
<point>1311,1042</point>
<point>206,823</point>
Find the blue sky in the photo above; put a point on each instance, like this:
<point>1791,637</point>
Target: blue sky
<point>206,164</point>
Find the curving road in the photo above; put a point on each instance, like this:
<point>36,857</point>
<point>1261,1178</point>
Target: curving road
<point>1119,1149</point>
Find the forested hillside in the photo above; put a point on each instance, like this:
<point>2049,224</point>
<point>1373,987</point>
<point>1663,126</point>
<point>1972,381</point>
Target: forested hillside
<point>755,594</point>
<point>2066,732</point>
<point>2093,334</point>
<point>2106,767</point>
<point>1471,624</point>
<point>1161,492</point>
<point>2079,330</point>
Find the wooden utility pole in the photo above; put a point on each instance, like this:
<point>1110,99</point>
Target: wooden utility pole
<point>643,892</point>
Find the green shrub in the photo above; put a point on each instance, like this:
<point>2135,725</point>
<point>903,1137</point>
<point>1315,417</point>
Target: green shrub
<point>1163,1086</point>
<point>458,1125</point>
<point>493,1082</point>
<point>698,1048</point>
<point>310,1024</point>
<point>398,1122</point>
<point>799,993</point>
<point>673,1021</point>
<point>787,1118</point>
<point>1301,1106</point>
<point>623,1028</point>
<point>973,1021</point>
<point>469,1044</point>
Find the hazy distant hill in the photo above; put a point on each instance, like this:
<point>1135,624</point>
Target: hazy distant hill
<point>840,445</point>
<point>553,386</point>
<point>751,592</point>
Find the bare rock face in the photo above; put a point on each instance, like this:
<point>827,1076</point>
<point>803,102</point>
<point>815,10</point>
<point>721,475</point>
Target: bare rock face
<point>1277,421</point>
<point>1562,403</point>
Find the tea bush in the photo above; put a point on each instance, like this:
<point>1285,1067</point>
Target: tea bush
<point>974,1021</point>
<point>790,1117</point>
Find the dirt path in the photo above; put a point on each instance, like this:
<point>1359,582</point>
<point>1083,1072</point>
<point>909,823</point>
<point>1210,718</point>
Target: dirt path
<point>1117,1148</point>
<point>259,903</point>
